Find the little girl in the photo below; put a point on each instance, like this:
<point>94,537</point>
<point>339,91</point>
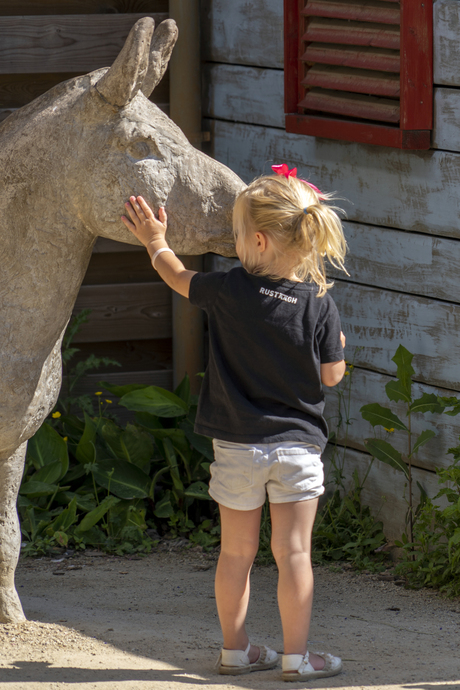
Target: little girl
<point>274,338</point>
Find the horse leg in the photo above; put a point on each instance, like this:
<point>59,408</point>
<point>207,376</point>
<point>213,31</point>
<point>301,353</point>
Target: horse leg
<point>10,535</point>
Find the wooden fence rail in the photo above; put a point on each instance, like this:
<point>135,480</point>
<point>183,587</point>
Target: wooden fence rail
<point>63,43</point>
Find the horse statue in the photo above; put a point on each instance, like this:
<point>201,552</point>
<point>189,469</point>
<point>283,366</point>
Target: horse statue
<point>69,161</point>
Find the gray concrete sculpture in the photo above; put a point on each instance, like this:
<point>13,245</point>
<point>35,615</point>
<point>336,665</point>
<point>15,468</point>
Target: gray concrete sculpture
<point>69,161</point>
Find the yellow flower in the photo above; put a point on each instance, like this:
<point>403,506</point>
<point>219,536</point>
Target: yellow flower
<point>351,367</point>
<point>390,431</point>
<point>66,438</point>
<point>56,415</point>
<point>108,401</point>
<point>347,373</point>
<point>98,393</point>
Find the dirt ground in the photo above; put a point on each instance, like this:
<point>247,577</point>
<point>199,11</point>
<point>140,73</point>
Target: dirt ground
<point>150,623</point>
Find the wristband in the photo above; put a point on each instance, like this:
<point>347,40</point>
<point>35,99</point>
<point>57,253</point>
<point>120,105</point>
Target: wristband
<point>159,251</point>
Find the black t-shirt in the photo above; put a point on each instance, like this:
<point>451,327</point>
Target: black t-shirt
<point>267,340</point>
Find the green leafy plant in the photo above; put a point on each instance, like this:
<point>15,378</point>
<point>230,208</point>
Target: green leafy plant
<point>338,437</point>
<point>264,553</point>
<point>73,374</point>
<point>380,416</point>
<point>345,529</point>
<point>432,559</point>
<point>90,481</point>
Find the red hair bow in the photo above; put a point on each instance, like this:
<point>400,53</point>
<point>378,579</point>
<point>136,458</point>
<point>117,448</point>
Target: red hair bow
<point>284,170</point>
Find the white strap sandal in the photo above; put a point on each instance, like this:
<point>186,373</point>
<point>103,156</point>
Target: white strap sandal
<point>297,667</point>
<point>234,662</point>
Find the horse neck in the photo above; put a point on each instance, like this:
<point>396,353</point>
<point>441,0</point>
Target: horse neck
<point>42,270</point>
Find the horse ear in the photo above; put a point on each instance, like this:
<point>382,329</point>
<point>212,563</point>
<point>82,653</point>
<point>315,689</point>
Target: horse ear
<point>163,42</point>
<point>124,79</point>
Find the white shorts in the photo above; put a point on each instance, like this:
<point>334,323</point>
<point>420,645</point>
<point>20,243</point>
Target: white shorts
<point>243,473</point>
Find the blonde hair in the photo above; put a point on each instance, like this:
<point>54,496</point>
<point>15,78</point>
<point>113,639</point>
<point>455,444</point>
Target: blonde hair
<point>302,227</point>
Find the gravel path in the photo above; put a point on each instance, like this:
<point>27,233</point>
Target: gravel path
<point>150,623</point>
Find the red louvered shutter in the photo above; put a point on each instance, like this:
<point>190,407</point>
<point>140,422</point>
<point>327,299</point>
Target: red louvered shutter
<point>360,70</point>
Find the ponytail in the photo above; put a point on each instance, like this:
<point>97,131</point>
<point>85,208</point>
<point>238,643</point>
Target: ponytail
<point>304,228</point>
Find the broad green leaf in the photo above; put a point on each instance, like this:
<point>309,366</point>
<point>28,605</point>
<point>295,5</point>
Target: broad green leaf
<point>47,447</point>
<point>173,467</point>
<point>23,502</point>
<point>454,412</point>
<point>92,518</point>
<point>136,516</point>
<point>351,506</point>
<point>163,508</point>
<point>427,403</point>
<point>137,446</point>
<point>422,439</point>
<point>132,444</point>
<point>120,391</point>
<point>61,538</point>
<point>86,450</point>
<point>49,474</point>
<point>37,489</point>
<point>85,502</point>
<point>65,519</point>
<point>75,473</point>
<point>148,421</point>
<point>180,445</point>
<point>202,444</point>
<point>126,481</point>
<point>384,451</point>
<point>454,540</point>
<point>111,433</point>
<point>198,490</point>
<point>183,390</point>
<point>381,416</point>
<point>405,371</point>
<point>396,391</point>
<point>31,521</point>
<point>156,476</point>
<point>450,402</point>
<point>94,536</point>
<point>43,524</point>
<point>73,425</point>
<point>155,400</point>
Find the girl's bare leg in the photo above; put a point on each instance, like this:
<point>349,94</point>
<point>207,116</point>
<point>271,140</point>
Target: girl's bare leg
<point>239,544</point>
<point>292,525</point>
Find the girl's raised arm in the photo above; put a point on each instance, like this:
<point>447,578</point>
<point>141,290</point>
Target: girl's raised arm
<point>151,232</point>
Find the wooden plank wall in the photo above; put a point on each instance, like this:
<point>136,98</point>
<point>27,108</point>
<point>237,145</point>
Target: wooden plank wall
<point>402,226</point>
<point>44,42</point>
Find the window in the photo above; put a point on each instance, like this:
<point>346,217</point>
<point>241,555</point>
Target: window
<point>360,70</point>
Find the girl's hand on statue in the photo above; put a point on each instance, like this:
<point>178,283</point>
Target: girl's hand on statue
<point>342,339</point>
<point>143,223</point>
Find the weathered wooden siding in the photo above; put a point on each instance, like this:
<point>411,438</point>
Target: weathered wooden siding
<point>251,33</point>
<point>385,490</point>
<point>369,386</point>
<point>254,95</point>
<point>415,191</point>
<point>68,43</point>
<point>402,226</point>
<point>243,33</point>
<point>44,42</point>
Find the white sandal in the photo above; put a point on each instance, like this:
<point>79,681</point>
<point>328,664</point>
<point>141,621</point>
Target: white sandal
<point>234,662</point>
<point>297,667</point>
